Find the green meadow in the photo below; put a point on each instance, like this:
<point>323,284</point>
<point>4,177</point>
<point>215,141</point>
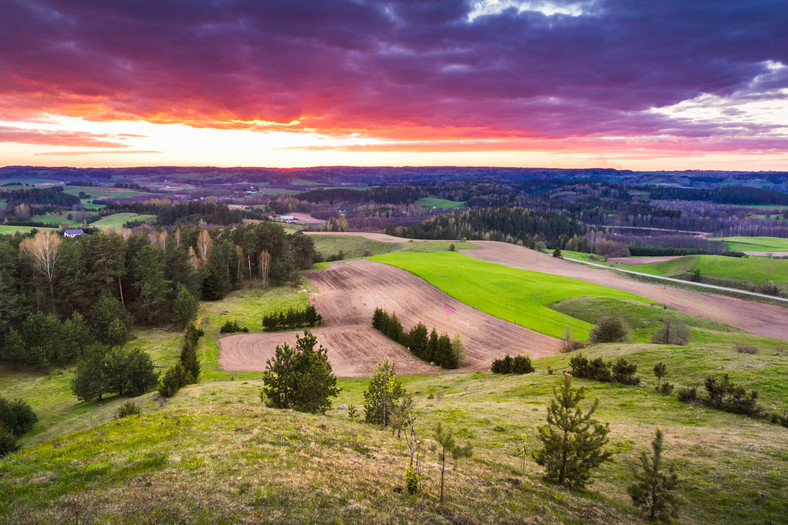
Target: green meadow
<point>117,220</point>
<point>434,202</point>
<point>354,246</point>
<point>756,244</point>
<point>519,296</point>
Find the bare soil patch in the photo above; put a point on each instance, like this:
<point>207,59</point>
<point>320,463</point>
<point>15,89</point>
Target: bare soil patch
<point>758,318</point>
<point>306,219</point>
<point>382,237</point>
<point>348,293</point>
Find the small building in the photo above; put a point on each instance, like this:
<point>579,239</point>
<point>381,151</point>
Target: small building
<point>73,233</point>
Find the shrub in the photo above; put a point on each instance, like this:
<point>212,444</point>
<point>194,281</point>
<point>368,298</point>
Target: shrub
<point>746,349</point>
<point>571,346</point>
<point>688,394</point>
<point>725,395</point>
<point>609,329</point>
<point>17,416</point>
<point>232,326</point>
<point>654,490</point>
<point>502,366</point>
<point>521,364</point>
<point>665,388</point>
<point>672,332</point>
<point>7,440</point>
<point>129,408</point>
<point>624,372</point>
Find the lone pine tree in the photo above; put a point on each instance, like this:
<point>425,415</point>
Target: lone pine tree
<point>573,442</point>
<point>654,490</point>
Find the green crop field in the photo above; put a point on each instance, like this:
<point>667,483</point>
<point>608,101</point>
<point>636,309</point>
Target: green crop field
<point>117,220</point>
<point>434,202</point>
<point>354,246</point>
<point>756,244</point>
<point>520,296</point>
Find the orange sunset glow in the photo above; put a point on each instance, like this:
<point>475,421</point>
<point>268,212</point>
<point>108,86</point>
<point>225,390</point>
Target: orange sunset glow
<point>498,83</point>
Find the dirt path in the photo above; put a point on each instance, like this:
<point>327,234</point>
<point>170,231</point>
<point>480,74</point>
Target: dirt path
<point>758,318</point>
<point>348,293</point>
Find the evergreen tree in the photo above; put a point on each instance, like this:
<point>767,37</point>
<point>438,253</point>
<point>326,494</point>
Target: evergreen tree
<point>139,375</point>
<point>418,341</point>
<point>447,445</point>
<point>88,382</point>
<point>184,309</point>
<point>572,441</point>
<point>174,379</point>
<point>660,370</point>
<point>653,490</point>
<point>382,394</point>
<point>106,311</point>
<point>432,347</point>
<point>315,380</point>
<point>609,329</point>
<point>300,378</point>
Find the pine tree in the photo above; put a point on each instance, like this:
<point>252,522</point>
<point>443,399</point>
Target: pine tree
<point>653,490</point>
<point>382,394</point>
<point>446,444</point>
<point>573,442</point>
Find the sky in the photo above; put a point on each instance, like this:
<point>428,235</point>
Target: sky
<point>628,84</point>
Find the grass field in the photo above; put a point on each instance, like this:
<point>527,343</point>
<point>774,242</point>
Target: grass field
<point>753,270</point>
<point>354,246</point>
<point>10,230</point>
<point>520,296</point>
<point>644,319</point>
<point>95,192</point>
<point>756,244</point>
<point>117,220</point>
<point>214,454</point>
<point>55,220</point>
<point>434,202</point>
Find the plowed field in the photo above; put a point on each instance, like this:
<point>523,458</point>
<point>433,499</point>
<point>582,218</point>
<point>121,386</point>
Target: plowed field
<point>348,293</point>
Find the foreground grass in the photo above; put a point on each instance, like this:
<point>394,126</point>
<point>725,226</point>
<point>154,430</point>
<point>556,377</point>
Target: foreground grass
<point>213,454</point>
<point>519,296</point>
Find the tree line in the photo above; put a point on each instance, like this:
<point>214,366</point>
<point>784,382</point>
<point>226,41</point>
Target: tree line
<point>432,348</point>
<point>292,318</point>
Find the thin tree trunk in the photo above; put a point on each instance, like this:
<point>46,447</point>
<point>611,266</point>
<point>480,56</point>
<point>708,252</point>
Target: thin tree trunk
<point>120,287</point>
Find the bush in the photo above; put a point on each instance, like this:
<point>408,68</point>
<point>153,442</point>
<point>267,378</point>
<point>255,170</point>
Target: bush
<point>17,416</point>
<point>672,332</point>
<point>724,394</point>
<point>746,349</point>
<point>688,394</point>
<point>7,440</point>
<point>230,327</point>
<point>609,329</point>
<point>624,372</point>
<point>571,346</point>
<point>520,364</point>
<point>665,388</point>
<point>129,408</point>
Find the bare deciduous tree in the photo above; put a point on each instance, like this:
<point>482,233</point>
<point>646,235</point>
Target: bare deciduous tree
<point>44,250</point>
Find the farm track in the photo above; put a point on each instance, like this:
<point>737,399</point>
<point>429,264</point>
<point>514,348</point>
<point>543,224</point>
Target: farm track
<point>348,293</point>
<point>758,318</point>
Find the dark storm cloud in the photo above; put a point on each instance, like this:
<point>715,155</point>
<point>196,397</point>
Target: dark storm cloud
<point>374,66</point>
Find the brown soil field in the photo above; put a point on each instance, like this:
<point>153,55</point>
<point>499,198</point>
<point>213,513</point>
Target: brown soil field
<point>382,237</point>
<point>305,218</point>
<point>758,318</point>
<point>348,293</point>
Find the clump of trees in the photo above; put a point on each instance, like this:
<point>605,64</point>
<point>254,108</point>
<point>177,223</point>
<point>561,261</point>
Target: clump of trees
<point>291,319</point>
<point>187,370</point>
<point>112,370</point>
<point>16,418</point>
<point>573,443</point>
<point>441,350</point>
<point>520,364</point>
<point>232,326</point>
<point>300,378</point>
<point>609,329</point>
<point>622,371</point>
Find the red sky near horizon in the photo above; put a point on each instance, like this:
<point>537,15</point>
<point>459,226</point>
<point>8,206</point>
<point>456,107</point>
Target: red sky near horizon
<point>581,83</point>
